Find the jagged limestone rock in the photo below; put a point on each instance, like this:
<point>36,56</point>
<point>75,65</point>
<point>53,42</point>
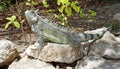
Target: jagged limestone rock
<point>53,52</point>
<point>27,63</point>
<point>69,68</point>
<point>116,23</point>
<point>116,17</point>
<point>108,46</point>
<point>97,62</point>
<point>8,52</point>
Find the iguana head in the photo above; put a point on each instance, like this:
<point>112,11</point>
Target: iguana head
<point>31,16</point>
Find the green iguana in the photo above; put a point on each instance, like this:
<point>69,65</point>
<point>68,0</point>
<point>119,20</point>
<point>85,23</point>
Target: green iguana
<point>45,29</point>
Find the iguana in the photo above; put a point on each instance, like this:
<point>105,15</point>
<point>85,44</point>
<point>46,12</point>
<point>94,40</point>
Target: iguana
<point>45,29</point>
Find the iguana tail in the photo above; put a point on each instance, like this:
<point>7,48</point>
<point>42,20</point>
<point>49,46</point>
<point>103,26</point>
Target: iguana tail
<point>94,34</point>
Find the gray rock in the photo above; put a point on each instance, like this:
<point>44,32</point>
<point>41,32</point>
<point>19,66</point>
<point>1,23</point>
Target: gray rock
<point>7,52</point>
<point>108,46</point>
<point>69,68</point>
<point>56,53</point>
<point>116,17</point>
<point>96,62</point>
<point>26,63</point>
<point>96,31</point>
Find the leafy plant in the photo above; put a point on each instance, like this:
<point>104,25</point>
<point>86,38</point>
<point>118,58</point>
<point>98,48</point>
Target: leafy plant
<point>67,6</point>
<point>31,2</point>
<point>65,9</point>
<point>113,25</point>
<point>12,20</point>
<point>92,13</point>
<point>81,13</point>
<point>2,5</point>
<point>45,4</point>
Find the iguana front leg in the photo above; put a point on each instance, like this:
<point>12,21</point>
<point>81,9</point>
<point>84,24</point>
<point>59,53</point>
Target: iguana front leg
<point>41,38</point>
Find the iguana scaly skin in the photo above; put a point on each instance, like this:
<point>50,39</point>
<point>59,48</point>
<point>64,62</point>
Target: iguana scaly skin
<point>45,29</point>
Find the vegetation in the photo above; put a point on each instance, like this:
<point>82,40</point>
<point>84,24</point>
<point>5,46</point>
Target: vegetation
<point>2,5</point>
<point>16,15</point>
<point>31,3</point>
<point>12,20</point>
<point>65,9</point>
<point>113,25</point>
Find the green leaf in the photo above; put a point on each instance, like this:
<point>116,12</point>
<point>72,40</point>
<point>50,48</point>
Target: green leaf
<point>45,4</point>
<point>13,17</point>
<point>16,24</point>
<point>28,0</point>
<point>58,2</point>
<point>34,3</point>
<point>64,1</point>
<point>82,13</point>
<point>76,8</point>
<point>65,18</point>
<point>51,10</point>
<point>1,8</point>
<point>113,25</point>
<point>55,15</point>
<point>62,15</point>
<point>68,11</point>
<point>74,3</point>
<point>22,21</point>
<point>27,3</point>
<point>7,25</point>
<point>61,8</point>
<point>8,18</point>
<point>63,23</point>
<point>67,3</point>
<point>92,13</point>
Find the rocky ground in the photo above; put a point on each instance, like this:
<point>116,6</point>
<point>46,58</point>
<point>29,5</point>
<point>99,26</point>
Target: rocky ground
<point>106,56</point>
<point>102,54</point>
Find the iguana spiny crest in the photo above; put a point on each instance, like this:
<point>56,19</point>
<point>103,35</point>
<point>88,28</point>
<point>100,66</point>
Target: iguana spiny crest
<point>34,19</point>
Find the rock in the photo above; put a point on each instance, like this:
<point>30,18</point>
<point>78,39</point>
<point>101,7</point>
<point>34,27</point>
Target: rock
<point>116,28</point>
<point>69,68</point>
<point>108,46</point>
<point>33,52</point>
<point>96,31</point>
<point>7,52</point>
<point>116,17</point>
<point>89,62</point>
<point>56,53</point>
<point>97,62</point>
<point>26,63</point>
